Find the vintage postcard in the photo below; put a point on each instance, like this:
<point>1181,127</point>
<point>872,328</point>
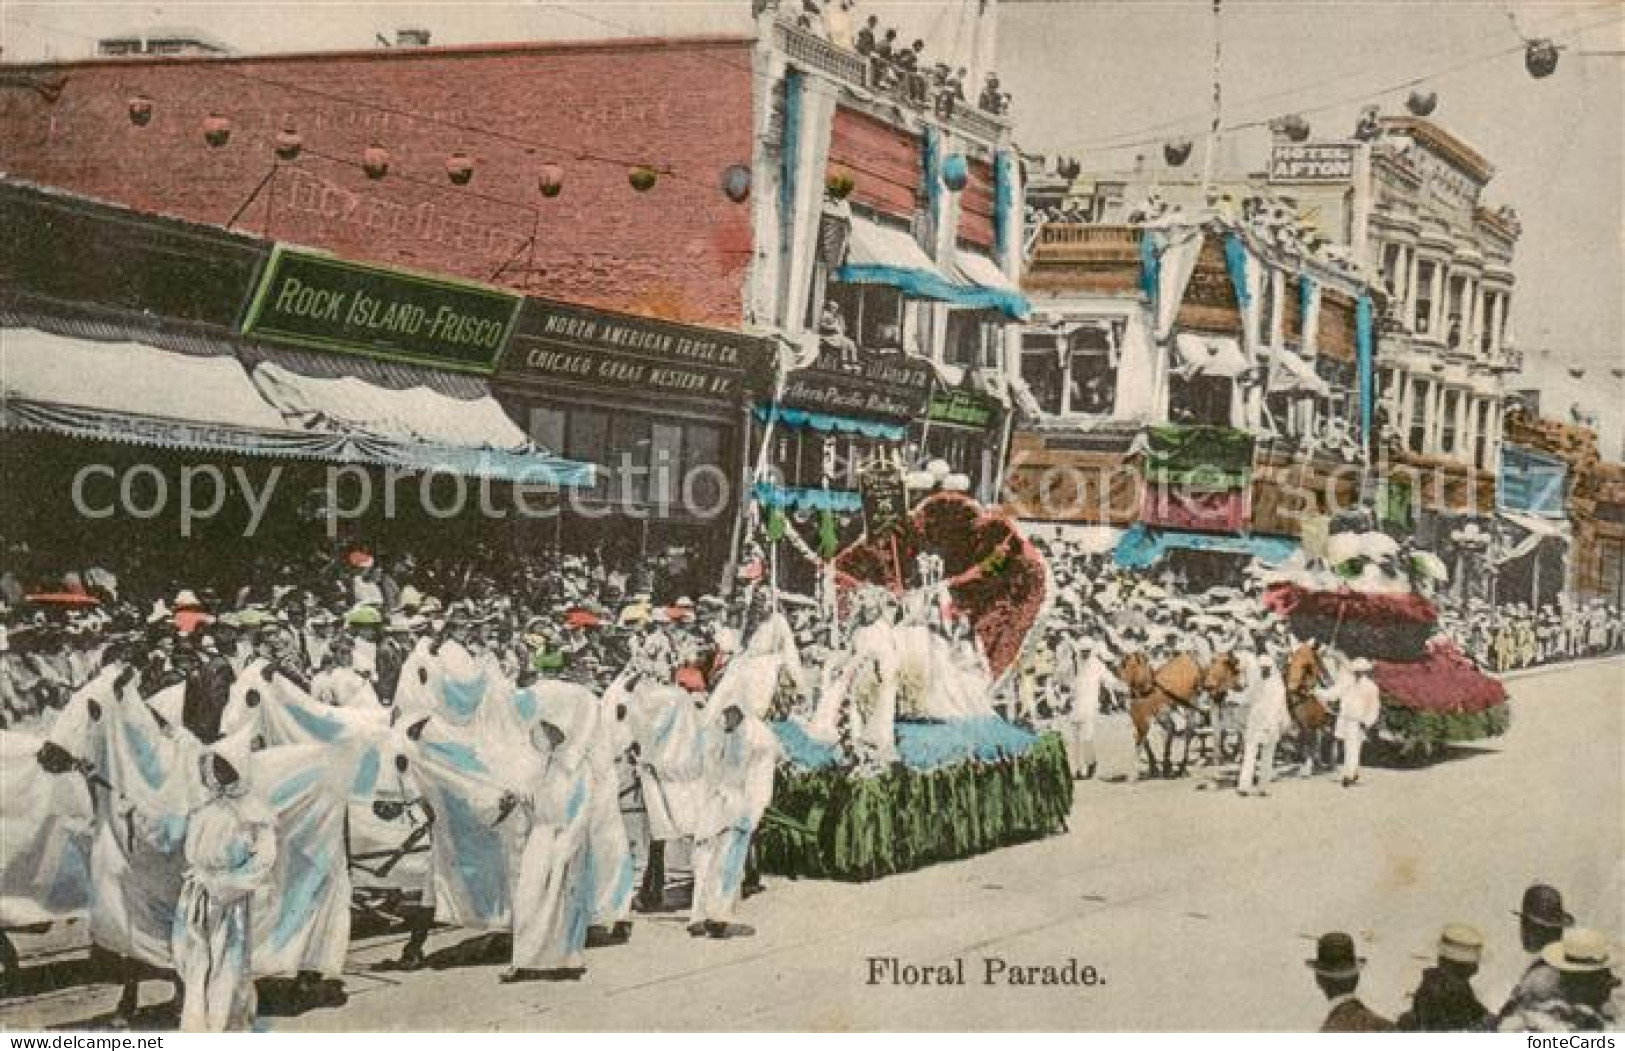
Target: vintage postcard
<point>812,515</point>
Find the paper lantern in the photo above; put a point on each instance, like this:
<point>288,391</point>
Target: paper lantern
<point>643,178</point>
<point>1540,58</point>
<point>955,172</point>
<point>288,144</point>
<point>140,110</point>
<point>1422,103</point>
<point>216,130</point>
<point>550,180</point>
<point>375,161</point>
<point>736,182</point>
<point>1176,153</point>
<point>459,168</point>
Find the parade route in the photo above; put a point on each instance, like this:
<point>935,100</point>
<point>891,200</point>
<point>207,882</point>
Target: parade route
<point>1196,907</point>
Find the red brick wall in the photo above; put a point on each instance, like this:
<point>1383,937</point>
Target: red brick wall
<point>883,161</point>
<point>976,207</point>
<point>679,251</point>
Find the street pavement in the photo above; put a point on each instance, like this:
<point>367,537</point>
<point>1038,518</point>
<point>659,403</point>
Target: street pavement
<point>1196,907</point>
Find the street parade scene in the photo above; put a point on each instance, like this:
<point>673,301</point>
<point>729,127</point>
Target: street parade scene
<point>812,515</point>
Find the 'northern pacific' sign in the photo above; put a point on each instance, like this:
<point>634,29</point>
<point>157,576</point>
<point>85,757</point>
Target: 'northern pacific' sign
<point>333,304</point>
<point>963,408</point>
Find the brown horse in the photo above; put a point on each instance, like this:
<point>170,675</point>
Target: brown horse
<point>1306,673</point>
<point>1171,697</point>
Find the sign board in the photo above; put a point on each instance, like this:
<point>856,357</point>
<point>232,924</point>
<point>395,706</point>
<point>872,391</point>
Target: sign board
<point>1312,162</point>
<point>556,342</point>
<point>318,301</point>
<point>1531,483</point>
<point>963,408</point>
<point>884,386</point>
<point>885,497</point>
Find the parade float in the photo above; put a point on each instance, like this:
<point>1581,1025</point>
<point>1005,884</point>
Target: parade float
<point>902,760</point>
<point>1369,604</point>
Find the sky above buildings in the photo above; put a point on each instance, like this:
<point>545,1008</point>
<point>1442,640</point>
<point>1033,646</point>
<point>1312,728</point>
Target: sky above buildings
<point>1104,80</point>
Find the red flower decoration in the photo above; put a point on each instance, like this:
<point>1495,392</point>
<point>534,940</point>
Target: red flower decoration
<point>995,575</point>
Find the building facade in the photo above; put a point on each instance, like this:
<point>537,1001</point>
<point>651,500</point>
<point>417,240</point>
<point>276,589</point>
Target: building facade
<point>780,185</point>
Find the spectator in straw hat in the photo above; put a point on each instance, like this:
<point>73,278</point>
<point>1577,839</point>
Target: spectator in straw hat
<point>1445,1002</point>
<point>1337,972</point>
<point>1540,923</point>
<point>1586,982</point>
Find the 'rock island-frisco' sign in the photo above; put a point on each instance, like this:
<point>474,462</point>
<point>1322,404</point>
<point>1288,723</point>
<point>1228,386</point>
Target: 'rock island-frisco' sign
<point>332,304</point>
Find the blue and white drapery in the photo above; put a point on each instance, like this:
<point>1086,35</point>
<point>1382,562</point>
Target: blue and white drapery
<point>793,498</point>
<point>809,115</point>
<point>1364,366</point>
<point>829,423</point>
<point>1140,547</point>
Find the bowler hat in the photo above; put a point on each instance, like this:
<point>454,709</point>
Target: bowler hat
<point>1543,906</point>
<point>1334,957</point>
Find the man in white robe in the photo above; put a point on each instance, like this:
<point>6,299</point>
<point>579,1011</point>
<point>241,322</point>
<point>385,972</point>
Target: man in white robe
<point>553,886</point>
<point>1359,708</point>
<point>230,851</point>
<point>741,755</point>
<point>1089,680</point>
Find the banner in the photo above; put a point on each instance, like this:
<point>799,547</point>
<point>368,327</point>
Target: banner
<point>1179,448</point>
<point>1202,510</point>
<point>1531,482</point>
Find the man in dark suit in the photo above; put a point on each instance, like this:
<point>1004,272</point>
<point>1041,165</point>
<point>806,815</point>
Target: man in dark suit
<point>1337,972</point>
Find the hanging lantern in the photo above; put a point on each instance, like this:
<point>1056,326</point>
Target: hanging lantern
<point>1540,58</point>
<point>834,231</point>
<point>1176,153</point>
<point>642,178</point>
<point>955,172</point>
<point>375,161</point>
<point>216,130</point>
<point>736,182</point>
<point>459,168</point>
<point>140,110</point>
<point>550,180</point>
<point>1069,168</point>
<point>1422,103</point>
<point>1292,127</point>
<point>288,144</point>
<point>839,186</point>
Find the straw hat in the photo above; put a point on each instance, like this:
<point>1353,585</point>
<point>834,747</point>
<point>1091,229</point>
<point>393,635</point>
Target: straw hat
<point>1462,943</point>
<point>1579,951</point>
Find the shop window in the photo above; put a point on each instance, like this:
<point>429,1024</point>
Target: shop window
<point>706,478</point>
<point>1041,368</point>
<point>972,339</point>
<point>1419,430</point>
<point>547,427</point>
<point>1091,374</point>
<point>1447,424</point>
<point>665,463</point>
<point>587,439</point>
<point>872,315</point>
<point>1200,399</point>
<point>629,455</point>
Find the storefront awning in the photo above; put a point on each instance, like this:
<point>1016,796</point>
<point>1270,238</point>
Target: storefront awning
<point>982,278</point>
<point>829,423</point>
<point>202,399</point>
<point>1291,374</point>
<point>884,255</point>
<point>1081,539</point>
<point>1201,355</point>
<point>418,428</point>
<point>1140,547</point>
<point>842,501</point>
<point>143,395</point>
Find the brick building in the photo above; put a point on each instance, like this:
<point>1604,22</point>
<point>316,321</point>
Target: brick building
<point>757,184</point>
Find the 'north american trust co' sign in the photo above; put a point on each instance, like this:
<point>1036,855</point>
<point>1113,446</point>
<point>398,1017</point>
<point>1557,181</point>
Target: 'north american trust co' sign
<point>332,304</point>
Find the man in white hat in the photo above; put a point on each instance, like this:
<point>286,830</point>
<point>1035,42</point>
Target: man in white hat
<point>1090,681</point>
<point>1583,1002</point>
<point>1444,1001</point>
<point>1359,706</point>
<point>1267,719</point>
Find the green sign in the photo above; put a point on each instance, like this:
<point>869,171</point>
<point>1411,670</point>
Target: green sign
<point>963,408</point>
<point>333,304</point>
